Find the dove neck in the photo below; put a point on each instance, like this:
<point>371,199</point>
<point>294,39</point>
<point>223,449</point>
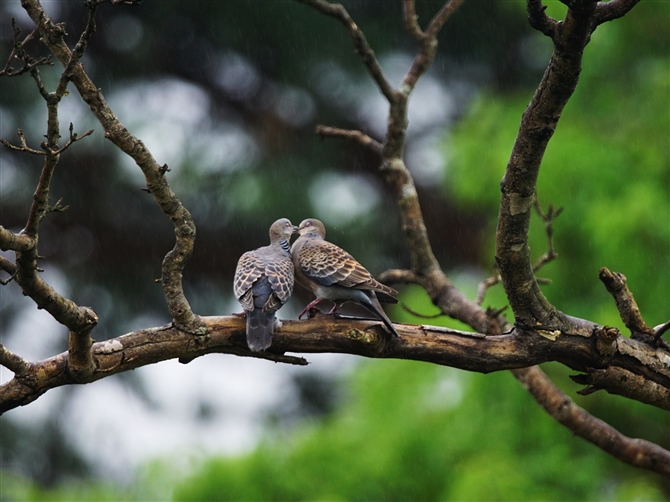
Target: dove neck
<point>284,244</point>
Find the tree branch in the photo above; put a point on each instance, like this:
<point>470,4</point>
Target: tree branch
<point>18,51</point>
<point>625,302</point>
<point>356,136</point>
<point>13,363</point>
<point>175,260</point>
<point>333,334</point>
<point>518,186</point>
<point>637,452</point>
<point>411,21</point>
<point>614,9</point>
<point>538,19</point>
<point>363,49</point>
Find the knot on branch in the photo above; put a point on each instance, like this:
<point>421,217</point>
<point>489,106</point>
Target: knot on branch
<point>606,337</point>
<point>374,338</point>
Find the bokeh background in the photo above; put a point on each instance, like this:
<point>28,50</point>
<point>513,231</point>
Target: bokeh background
<point>228,95</point>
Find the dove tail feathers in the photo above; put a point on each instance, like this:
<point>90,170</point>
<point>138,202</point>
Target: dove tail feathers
<point>375,307</point>
<point>259,329</point>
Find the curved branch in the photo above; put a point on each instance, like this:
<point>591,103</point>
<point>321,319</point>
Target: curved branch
<point>538,124</point>
<point>363,49</point>
<point>625,302</point>
<point>614,9</point>
<point>411,21</point>
<point>115,131</point>
<point>538,19</point>
<point>637,452</point>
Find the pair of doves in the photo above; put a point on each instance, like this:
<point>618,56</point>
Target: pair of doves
<point>264,278</point>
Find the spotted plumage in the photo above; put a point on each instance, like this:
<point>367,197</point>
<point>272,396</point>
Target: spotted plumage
<point>333,274</point>
<point>264,282</point>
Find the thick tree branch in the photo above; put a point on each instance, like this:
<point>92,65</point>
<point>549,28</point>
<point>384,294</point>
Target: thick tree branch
<point>530,306</point>
<point>368,338</point>
<point>15,242</point>
<point>637,452</point>
<point>115,131</point>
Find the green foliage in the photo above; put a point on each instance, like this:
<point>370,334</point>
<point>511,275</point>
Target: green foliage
<point>411,431</point>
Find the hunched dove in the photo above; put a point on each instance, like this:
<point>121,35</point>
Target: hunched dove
<point>264,282</point>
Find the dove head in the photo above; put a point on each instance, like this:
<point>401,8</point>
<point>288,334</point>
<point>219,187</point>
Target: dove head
<point>312,226</point>
<point>281,229</point>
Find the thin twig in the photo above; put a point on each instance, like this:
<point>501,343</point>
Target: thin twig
<point>442,17</point>
<point>548,219</point>
<point>352,135</point>
<point>73,138</point>
<point>419,315</point>
<point>23,146</point>
<point>19,53</point>
<point>363,49</point>
<point>78,51</point>
<point>14,363</point>
<point>483,286</point>
<point>8,267</point>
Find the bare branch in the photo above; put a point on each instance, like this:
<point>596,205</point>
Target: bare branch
<point>363,49</point>
<point>18,52</point>
<point>538,18</point>
<point>442,17</point>
<point>73,138</point>
<point>625,302</point>
<point>13,363</point>
<point>518,186</point>
<point>548,219</point>
<point>368,338</point>
<point>398,276</point>
<point>78,51</point>
<point>614,9</point>
<point>175,260</point>
<point>411,22</point>
<point>419,314</point>
<point>483,286</point>
<point>15,242</point>
<point>356,136</point>
<point>637,452</point>
<point>23,147</point>
<point>9,267</point>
